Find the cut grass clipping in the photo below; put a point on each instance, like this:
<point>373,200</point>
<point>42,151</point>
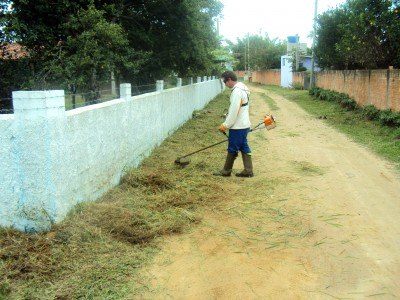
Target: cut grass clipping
<point>96,251</point>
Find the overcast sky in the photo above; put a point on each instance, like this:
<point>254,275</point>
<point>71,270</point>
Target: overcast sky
<point>278,18</point>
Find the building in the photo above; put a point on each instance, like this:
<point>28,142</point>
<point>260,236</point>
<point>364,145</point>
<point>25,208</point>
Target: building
<point>287,68</point>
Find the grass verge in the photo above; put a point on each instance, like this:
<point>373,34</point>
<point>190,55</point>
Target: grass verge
<point>383,140</point>
<point>96,252</point>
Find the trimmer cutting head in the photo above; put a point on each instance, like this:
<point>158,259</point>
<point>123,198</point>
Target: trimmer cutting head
<point>182,161</point>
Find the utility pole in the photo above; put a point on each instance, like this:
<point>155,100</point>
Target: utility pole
<point>248,52</point>
<point>297,53</point>
<point>245,58</point>
<point>312,74</point>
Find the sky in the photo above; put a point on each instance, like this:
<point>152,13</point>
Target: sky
<point>278,18</point>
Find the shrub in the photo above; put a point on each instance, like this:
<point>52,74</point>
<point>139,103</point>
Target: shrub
<point>332,96</point>
<point>389,118</point>
<point>397,133</point>
<point>370,112</point>
<point>323,95</point>
<point>312,91</point>
<point>297,86</point>
<point>317,92</point>
<point>327,95</point>
<point>348,103</point>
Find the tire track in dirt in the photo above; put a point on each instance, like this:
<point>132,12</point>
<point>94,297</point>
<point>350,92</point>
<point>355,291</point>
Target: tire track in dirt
<point>318,221</point>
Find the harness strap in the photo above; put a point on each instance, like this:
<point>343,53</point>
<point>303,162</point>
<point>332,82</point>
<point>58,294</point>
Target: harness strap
<point>248,96</point>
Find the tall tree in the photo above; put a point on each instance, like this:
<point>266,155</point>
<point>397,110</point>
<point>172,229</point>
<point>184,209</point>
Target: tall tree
<point>179,34</point>
<point>259,53</point>
<point>4,11</point>
<point>359,34</point>
<point>152,38</point>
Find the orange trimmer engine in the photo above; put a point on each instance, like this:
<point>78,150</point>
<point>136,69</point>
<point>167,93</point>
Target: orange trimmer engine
<point>269,122</point>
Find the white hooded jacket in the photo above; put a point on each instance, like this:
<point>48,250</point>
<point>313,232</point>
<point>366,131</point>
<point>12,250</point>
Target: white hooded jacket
<point>238,114</point>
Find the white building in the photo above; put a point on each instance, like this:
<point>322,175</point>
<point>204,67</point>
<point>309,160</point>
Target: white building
<point>286,68</point>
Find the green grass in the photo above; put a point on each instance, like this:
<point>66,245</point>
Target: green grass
<point>271,102</point>
<point>96,252</point>
<point>383,140</point>
<point>306,168</point>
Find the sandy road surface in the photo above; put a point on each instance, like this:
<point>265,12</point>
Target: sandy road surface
<point>320,220</point>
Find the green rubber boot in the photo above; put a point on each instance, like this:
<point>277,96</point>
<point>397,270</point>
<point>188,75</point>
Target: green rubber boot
<point>227,170</point>
<point>248,166</point>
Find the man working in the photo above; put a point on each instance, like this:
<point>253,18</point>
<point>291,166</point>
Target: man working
<point>238,123</point>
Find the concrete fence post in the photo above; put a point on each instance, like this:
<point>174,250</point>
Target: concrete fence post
<point>126,91</point>
<point>179,82</point>
<point>113,87</point>
<point>198,79</point>
<point>190,80</point>
<point>38,153</point>
<point>159,85</point>
<point>204,78</point>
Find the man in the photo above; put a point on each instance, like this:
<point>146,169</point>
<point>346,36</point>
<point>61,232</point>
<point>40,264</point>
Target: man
<point>238,123</point>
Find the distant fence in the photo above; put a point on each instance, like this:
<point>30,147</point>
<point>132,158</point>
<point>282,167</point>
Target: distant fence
<point>380,88</point>
<point>240,74</point>
<point>301,78</point>
<point>270,77</point>
<point>52,159</point>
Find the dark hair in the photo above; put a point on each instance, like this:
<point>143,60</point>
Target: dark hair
<point>229,74</point>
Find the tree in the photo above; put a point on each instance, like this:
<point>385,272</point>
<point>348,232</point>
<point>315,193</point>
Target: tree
<point>97,48</point>
<point>62,39</point>
<point>359,34</point>
<point>263,53</point>
<point>179,34</point>
<point>328,35</point>
<point>4,11</point>
<point>82,40</point>
<point>223,59</point>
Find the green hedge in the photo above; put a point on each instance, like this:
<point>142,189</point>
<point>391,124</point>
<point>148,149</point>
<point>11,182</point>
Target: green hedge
<point>370,112</point>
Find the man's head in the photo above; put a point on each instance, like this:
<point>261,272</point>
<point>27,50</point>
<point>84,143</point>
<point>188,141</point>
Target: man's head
<point>229,78</point>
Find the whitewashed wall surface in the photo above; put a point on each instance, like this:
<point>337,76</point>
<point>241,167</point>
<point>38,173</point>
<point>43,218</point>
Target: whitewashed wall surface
<point>52,159</point>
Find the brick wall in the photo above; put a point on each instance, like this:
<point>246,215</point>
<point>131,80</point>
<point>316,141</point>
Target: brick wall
<point>394,90</point>
<point>301,78</point>
<point>239,73</point>
<point>272,77</point>
<point>380,88</point>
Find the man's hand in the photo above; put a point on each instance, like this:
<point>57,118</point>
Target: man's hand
<point>222,128</point>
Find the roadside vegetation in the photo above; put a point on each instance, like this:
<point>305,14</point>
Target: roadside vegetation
<point>377,130</point>
<point>95,252</point>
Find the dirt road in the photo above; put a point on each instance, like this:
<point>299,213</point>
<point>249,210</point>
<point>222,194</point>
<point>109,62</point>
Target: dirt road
<point>320,220</point>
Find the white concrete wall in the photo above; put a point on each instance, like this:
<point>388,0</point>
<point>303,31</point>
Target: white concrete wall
<point>8,169</point>
<point>51,159</point>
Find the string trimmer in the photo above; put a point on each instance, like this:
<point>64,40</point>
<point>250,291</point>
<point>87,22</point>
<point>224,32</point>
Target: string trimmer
<point>268,123</point>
